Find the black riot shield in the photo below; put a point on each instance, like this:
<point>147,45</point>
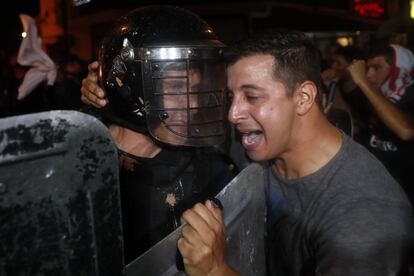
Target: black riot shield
<point>244,216</point>
<point>59,196</point>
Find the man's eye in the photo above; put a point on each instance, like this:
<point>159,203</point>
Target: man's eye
<point>252,97</point>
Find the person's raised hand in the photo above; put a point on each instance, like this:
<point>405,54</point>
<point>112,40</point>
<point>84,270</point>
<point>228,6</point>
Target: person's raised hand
<point>357,69</point>
<point>92,93</point>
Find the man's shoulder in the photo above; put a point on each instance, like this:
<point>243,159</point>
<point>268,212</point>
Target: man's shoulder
<point>358,159</point>
<point>360,174</point>
<point>364,194</point>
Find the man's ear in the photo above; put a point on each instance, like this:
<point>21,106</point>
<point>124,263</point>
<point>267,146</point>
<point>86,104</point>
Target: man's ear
<point>305,96</point>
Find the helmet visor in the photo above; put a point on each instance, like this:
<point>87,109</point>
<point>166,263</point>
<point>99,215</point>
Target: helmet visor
<point>186,106</point>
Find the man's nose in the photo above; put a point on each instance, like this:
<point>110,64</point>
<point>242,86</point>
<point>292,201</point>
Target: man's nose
<point>370,74</point>
<point>237,111</point>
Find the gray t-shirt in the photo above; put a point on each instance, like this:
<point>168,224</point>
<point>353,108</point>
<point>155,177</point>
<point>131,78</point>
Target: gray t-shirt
<point>348,218</point>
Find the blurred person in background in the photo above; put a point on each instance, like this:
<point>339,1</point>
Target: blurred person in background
<point>347,95</point>
<point>387,81</point>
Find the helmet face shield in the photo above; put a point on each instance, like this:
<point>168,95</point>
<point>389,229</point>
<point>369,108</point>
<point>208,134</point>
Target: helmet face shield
<point>185,97</point>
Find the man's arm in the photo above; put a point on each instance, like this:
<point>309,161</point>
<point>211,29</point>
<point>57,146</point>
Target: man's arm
<point>396,120</point>
<point>203,241</point>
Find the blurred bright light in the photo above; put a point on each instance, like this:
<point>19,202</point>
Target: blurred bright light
<point>343,41</point>
<point>78,3</point>
<point>412,9</point>
<point>24,34</point>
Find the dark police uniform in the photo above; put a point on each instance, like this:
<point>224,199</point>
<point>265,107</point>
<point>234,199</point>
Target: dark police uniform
<point>156,191</point>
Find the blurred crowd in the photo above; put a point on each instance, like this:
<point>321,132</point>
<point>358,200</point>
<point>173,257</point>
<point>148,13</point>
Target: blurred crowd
<point>370,96</point>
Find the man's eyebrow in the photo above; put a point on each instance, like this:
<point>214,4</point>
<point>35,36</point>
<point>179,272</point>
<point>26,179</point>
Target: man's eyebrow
<point>252,86</point>
<point>375,65</point>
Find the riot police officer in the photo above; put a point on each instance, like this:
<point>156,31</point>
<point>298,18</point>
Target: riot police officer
<point>163,83</point>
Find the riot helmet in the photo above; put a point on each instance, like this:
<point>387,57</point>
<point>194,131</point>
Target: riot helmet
<point>163,73</point>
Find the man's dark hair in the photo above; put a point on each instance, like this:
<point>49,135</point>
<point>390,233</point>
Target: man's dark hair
<point>386,51</point>
<point>296,57</point>
<point>350,53</point>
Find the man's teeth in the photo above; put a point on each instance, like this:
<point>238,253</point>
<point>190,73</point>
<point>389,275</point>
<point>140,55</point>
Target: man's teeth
<point>251,137</point>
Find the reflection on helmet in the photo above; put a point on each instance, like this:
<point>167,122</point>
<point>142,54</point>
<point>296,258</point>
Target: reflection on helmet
<point>163,72</point>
